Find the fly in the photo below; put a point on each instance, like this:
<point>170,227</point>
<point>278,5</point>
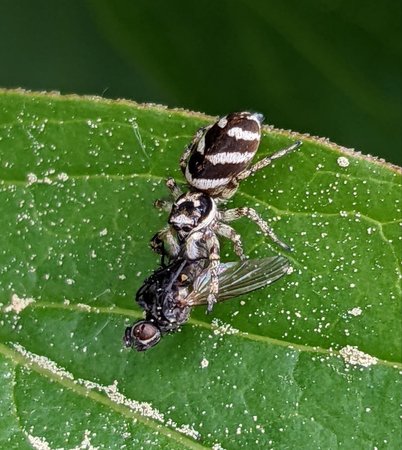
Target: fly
<point>170,293</point>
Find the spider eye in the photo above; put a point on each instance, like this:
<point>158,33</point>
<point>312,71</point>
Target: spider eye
<point>186,228</point>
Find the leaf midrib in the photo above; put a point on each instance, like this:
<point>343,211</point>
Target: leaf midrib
<point>199,323</point>
<point>78,389</point>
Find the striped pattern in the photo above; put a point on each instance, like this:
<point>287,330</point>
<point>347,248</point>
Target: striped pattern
<point>229,157</point>
<point>222,151</point>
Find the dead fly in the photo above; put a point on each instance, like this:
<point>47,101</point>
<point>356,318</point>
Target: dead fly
<point>169,294</point>
<point>215,162</point>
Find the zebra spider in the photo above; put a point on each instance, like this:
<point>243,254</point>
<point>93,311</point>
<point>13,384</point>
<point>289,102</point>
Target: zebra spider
<point>213,164</point>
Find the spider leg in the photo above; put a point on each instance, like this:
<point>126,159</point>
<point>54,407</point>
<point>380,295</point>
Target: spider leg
<point>184,157</point>
<point>173,188</point>
<point>165,236</point>
<point>163,205</point>
<point>214,260</point>
<point>228,232</point>
<point>233,214</point>
<point>268,160</point>
<point>175,191</point>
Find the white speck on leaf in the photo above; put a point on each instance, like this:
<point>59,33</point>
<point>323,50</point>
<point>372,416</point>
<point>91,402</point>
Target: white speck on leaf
<point>342,161</point>
<point>62,176</point>
<point>84,307</point>
<point>355,357</point>
<point>17,304</point>
<point>217,446</point>
<point>38,443</point>
<point>355,311</point>
<point>220,328</point>
<point>204,363</point>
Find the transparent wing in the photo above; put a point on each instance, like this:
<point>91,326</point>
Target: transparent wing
<point>239,278</point>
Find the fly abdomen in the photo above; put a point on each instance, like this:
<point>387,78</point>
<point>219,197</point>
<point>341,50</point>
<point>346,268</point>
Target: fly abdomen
<point>222,151</point>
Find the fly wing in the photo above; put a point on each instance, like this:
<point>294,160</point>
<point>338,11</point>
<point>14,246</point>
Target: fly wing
<point>239,278</point>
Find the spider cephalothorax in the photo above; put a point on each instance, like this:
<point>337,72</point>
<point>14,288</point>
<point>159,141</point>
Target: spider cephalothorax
<point>191,212</point>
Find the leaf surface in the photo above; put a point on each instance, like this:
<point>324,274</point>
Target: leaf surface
<point>313,361</point>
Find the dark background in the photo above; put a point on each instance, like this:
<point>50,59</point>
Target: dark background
<point>326,67</point>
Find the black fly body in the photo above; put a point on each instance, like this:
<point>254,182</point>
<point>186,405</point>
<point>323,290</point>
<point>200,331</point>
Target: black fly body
<point>214,163</point>
<point>170,293</point>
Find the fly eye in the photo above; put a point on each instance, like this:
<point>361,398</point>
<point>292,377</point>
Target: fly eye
<point>143,335</point>
<point>144,331</point>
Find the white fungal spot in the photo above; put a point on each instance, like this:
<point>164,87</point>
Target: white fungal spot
<point>86,442</point>
<point>289,270</point>
<point>204,363</point>
<point>38,443</point>
<point>342,161</point>
<point>217,446</point>
<point>111,391</point>
<point>355,311</point>
<point>44,362</point>
<point>62,176</point>
<point>17,304</point>
<point>352,355</point>
<point>220,328</point>
<point>31,178</point>
<point>84,307</point>
<point>103,232</point>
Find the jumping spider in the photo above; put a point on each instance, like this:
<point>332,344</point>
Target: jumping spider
<point>214,164</point>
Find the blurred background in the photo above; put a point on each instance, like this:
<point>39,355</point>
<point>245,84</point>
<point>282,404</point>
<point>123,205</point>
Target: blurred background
<point>326,67</point>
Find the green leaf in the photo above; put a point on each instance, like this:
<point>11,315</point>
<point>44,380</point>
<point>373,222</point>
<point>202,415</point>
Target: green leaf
<point>279,369</point>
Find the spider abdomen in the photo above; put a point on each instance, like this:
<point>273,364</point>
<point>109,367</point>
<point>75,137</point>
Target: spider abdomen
<point>221,151</point>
